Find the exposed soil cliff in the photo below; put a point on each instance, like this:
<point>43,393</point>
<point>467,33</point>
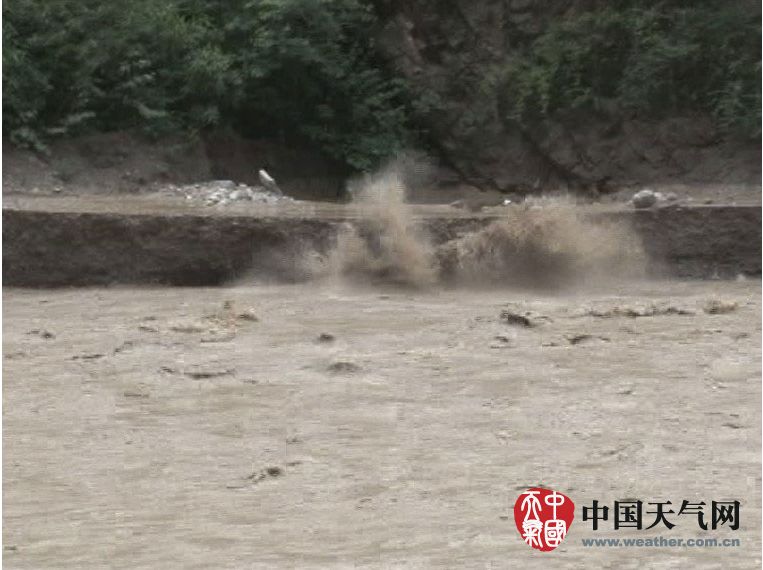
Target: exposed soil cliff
<point>452,50</point>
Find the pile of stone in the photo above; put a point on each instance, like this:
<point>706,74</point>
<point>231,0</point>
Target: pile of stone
<point>224,192</point>
<point>647,198</point>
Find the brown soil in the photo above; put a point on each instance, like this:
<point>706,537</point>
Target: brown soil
<point>124,162</point>
<point>119,163</point>
<point>456,52</point>
<point>105,240</point>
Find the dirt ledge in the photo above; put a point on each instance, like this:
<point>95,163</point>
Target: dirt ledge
<point>64,248</point>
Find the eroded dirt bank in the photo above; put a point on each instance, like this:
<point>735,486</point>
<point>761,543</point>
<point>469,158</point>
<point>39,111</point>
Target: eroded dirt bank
<point>64,246</point>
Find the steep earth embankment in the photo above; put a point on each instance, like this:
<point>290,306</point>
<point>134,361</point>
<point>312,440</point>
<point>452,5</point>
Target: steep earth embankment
<point>49,248</point>
<point>455,52</point>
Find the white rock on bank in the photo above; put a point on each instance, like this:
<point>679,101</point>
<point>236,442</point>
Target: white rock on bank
<point>645,199</point>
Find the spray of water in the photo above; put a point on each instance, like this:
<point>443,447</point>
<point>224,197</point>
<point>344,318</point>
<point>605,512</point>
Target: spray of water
<point>544,243</point>
<point>386,245</point>
<point>550,244</point>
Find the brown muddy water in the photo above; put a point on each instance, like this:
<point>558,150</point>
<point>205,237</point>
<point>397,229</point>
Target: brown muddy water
<point>331,426</point>
<point>387,412</point>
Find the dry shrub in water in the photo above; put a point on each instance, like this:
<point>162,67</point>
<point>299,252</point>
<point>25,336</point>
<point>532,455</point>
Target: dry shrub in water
<point>547,245</point>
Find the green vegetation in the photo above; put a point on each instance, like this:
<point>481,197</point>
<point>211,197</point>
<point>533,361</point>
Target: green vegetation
<point>295,70</point>
<point>307,71</point>
<point>657,59</point>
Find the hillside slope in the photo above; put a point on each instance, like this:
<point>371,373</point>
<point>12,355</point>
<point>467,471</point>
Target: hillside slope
<point>474,62</point>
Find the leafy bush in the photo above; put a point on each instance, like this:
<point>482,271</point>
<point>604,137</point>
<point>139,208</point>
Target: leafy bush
<point>307,71</point>
<point>73,65</point>
<point>300,70</point>
<point>662,59</point>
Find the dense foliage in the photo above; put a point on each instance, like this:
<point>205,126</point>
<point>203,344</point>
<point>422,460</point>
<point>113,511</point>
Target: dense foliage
<point>308,71</point>
<point>655,58</point>
<point>289,69</point>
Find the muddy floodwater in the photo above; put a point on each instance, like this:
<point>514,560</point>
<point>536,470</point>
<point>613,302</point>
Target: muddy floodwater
<point>322,426</point>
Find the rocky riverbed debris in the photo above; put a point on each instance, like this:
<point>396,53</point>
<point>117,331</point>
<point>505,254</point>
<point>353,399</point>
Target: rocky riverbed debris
<point>647,198</point>
<point>224,192</point>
